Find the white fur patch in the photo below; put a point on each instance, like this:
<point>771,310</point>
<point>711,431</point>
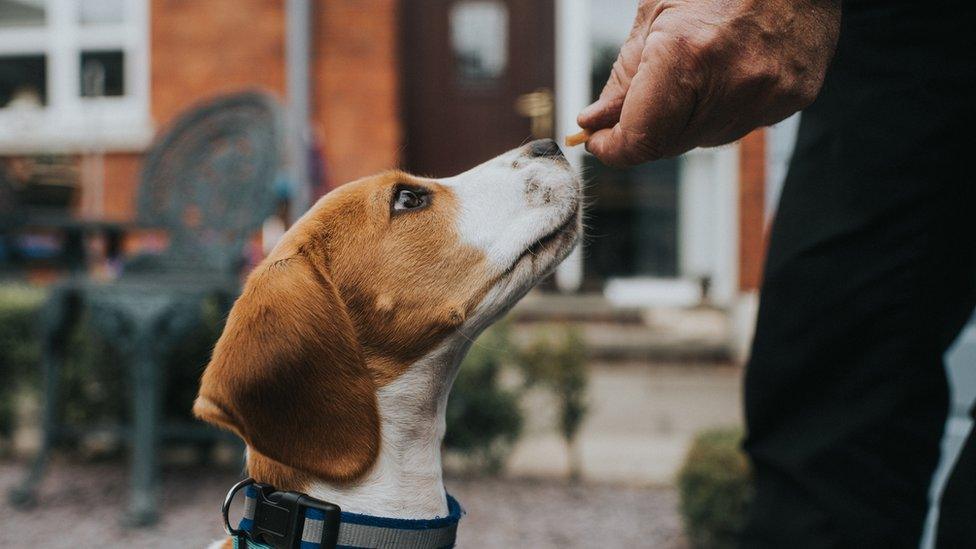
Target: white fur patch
<point>512,201</point>
<point>406,481</point>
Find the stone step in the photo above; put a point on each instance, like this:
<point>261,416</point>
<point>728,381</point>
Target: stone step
<point>662,335</point>
<point>548,307</point>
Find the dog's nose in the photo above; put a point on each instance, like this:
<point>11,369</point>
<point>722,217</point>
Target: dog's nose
<point>545,148</point>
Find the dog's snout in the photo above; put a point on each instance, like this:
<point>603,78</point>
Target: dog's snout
<point>544,148</point>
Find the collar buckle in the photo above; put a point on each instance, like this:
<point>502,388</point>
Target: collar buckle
<point>284,520</point>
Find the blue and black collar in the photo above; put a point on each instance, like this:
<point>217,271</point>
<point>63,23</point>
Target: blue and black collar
<point>292,520</point>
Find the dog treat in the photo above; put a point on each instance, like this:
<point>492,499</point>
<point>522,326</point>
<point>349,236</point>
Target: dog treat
<point>577,138</point>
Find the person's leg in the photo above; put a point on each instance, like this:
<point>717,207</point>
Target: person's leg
<point>871,273</point>
<point>846,394</point>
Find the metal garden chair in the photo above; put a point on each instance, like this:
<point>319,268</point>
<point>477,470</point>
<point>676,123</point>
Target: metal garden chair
<point>208,182</point>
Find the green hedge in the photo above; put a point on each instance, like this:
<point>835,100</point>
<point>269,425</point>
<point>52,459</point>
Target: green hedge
<point>484,415</point>
<point>94,380</point>
<point>715,489</point>
<point>556,360</point>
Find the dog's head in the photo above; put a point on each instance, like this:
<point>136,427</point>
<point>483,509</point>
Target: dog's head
<point>371,279</point>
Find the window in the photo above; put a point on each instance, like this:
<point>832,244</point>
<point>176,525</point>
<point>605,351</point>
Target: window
<point>74,75</point>
<point>23,78</point>
<point>102,74</point>
<point>479,40</point>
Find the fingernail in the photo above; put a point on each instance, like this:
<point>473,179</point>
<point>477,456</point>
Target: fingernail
<point>590,144</point>
<point>589,111</point>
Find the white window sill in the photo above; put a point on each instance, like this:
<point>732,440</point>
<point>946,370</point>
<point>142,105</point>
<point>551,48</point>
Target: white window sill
<point>92,130</point>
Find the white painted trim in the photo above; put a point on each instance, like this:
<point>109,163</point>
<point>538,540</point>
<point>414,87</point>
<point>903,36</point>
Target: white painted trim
<point>780,140</point>
<point>23,40</point>
<point>645,291</point>
<point>572,94</point>
<point>708,220</point>
<point>70,123</point>
<point>51,132</point>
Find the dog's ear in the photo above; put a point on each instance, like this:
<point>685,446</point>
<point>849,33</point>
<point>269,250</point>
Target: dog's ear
<point>288,375</point>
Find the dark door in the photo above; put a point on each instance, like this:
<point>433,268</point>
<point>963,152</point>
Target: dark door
<point>478,78</point>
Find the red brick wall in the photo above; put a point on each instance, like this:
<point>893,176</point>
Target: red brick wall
<point>203,48</point>
<point>752,189</point>
<point>199,49</point>
<point>356,95</point>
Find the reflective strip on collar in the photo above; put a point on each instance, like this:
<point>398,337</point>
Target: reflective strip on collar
<point>313,529</point>
<point>365,531</point>
<point>359,536</point>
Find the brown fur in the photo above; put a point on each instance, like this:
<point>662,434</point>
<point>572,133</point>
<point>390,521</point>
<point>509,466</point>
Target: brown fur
<point>347,301</point>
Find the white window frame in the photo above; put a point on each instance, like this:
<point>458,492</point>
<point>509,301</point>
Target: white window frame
<point>71,123</point>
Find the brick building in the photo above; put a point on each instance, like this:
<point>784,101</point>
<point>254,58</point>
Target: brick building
<point>432,86</point>
<point>186,51</point>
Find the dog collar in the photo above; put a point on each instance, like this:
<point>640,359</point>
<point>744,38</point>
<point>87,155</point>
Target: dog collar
<point>292,520</point>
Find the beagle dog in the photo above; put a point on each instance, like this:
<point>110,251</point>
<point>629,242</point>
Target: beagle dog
<point>337,359</point>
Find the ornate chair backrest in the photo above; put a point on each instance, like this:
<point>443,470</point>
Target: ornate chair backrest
<point>209,180</point>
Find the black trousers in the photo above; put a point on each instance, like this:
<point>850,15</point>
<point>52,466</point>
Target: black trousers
<point>871,273</point>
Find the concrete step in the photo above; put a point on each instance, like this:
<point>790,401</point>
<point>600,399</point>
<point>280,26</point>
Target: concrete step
<point>699,335</point>
<point>550,307</point>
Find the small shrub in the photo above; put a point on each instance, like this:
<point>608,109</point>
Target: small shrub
<point>715,488</point>
<point>483,418</point>
<point>556,359</point>
<point>20,308</point>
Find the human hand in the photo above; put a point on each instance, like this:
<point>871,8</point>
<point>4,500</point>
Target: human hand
<point>706,72</point>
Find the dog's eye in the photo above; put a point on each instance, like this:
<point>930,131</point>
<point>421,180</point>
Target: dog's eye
<point>409,199</point>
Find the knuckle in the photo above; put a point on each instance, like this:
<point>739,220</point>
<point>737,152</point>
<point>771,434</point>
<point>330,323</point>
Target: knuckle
<point>799,93</point>
<point>801,84</point>
<point>691,53</point>
<point>763,75</point>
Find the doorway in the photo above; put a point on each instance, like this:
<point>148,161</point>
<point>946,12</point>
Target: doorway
<point>478,79</point>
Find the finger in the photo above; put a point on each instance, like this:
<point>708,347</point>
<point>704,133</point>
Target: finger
<point>656,110</point>
<point>605,111</point>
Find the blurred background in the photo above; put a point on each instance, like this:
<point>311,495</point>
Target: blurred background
<point>151,151</point>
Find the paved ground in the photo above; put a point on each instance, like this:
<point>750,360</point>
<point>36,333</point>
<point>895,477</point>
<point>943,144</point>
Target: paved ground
<point>640,420</point>
<point>81,504</point>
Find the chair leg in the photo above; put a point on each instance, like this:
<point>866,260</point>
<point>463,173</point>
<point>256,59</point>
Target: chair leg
<point>145,435</point>
<point>24,495</point>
